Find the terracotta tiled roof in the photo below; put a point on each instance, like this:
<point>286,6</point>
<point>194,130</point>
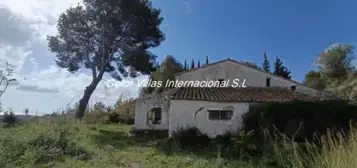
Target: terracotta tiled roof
<point>249,94</point>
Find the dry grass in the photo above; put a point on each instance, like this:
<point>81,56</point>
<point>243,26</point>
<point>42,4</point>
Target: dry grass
<point>113,146</point>
<point>336,151</point>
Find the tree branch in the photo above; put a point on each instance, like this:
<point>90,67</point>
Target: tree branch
<point>94,71</point>
<point>3,91</point>
<point>124,31</point>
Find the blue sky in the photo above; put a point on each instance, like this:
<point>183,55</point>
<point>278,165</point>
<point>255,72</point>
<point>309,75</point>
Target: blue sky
<point>296,31</point>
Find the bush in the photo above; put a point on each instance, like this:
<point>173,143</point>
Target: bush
<point>9,119</point>
<point>125,120</point>
<point>300,119</point>
<point>53,147</point>
<point>158,134</point>
<point>126,110</point>
<point>190,138</point>
<point>42,148</point>
<point>96,118</point>
<point>114,117</point>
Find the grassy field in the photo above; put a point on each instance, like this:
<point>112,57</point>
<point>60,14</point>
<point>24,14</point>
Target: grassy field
<point>107,146</point>
<point>70,144</point>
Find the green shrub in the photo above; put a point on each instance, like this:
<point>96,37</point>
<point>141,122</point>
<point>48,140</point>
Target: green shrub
<point>54,147</point>
<point>223,139</point>
<point>126,120</point>
<point>9,119</point>
<point>96,118</point>
<point>159,134</point>
<point>309,119</point>
<point>114,117</point>
<point>190,138</point>
<point>45,147</point>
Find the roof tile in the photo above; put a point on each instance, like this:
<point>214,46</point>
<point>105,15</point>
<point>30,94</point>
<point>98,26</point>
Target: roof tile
<point>249,94</point>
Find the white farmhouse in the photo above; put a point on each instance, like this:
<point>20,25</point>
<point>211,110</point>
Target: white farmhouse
<point>216,110</point>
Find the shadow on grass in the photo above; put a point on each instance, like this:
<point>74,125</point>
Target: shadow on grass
<point>121,139</point>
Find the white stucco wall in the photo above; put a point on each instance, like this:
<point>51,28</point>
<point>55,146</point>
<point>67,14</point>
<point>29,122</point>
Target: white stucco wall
<point>255,78</point>
<point>182,115</point>
<point>144,105</point>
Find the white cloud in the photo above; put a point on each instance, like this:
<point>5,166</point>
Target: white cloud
<point>34,63</point>
<point>15,29</point>
<point>42,85</point>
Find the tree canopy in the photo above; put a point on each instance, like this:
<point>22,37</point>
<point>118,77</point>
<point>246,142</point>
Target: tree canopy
<point>266,64</point>
<point>107,36</point>
<point>336,73</point>
<point>167,71</point>
<point>280,69</point>
<point>193,64</point>
<point>315,80</point>
<point>335,61</point>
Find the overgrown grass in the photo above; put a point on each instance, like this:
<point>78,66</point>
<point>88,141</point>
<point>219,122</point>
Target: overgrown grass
<point>72,144</point>
<point>333,151</point>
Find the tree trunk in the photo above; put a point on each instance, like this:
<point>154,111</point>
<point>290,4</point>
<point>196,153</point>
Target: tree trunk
<point>83,102</point>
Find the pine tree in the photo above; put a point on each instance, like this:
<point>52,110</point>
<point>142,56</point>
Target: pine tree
<point>206,60</point>
<point>193,64</point>
<point>171,65</point>
<point>281,70</point>
<point>198,64</point>
<point>277,66</point>
<point>185,66</point>
<point>90,35</point>
<point>286,73</point>
<point>266,64</point>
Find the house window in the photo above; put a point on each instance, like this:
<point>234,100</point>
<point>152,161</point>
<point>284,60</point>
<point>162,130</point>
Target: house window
<point>154,116</point>
<point>293,88</point>
<point>220,114</point>
<point>220,81</point>
<point>268,82</point>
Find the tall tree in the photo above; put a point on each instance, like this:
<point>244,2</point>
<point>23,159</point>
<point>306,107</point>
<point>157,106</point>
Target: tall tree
<point>107,36</point>
<point>167,71</point>
<point>198,64</point>
<point>281,70</point>
<point>192,64</point>
<point>335,61</point>
<point>314,79</point>
<point>336,72</point>
<point>206,60</point>
<point>266,64</point>
<point>278,66</point>
<point>185,66</point>
<point>171,65</point>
